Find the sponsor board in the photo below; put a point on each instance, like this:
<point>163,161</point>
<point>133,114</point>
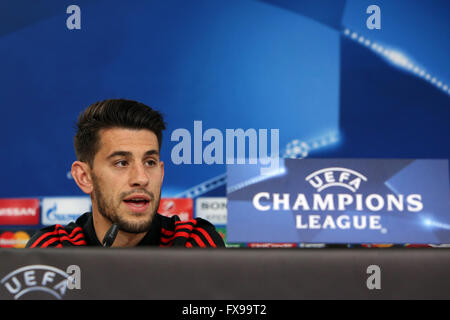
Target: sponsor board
<point>63,210</point>
<point>19,211</point>
<point>312,245</point>
<point>213,209</point>
<point>375,201</point>
<point>444,245</point>
<point>379,245</point>
<point>272,245</point>
<point>223,233</point>
<point>182,207</point>
<point>409,245</point>
<point>15,238</point>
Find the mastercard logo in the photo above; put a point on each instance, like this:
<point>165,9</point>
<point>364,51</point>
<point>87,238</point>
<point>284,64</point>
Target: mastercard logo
<point>17,239</point>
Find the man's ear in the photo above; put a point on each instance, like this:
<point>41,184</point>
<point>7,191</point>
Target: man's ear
<point>81,173</point>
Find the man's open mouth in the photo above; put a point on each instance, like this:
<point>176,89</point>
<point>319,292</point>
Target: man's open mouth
<point>137,201</point>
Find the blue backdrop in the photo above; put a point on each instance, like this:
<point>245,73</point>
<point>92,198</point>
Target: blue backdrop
<point>311,69</point>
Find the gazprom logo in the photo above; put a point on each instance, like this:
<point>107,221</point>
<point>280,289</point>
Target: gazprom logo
<point>51,281</point>
<point>63,210</point>
<point>335,176</point>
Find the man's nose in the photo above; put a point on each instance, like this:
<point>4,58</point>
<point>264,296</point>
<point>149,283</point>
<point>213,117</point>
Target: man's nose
<point>138,176</point>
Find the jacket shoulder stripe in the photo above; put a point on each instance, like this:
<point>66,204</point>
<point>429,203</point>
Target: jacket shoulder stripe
<point>166,232</point>
<point>76,240</point>
<point>76,237</point>
<point>61,229</point>
<point>197,239</point>
<point>207,236</point>
<point>184,226</point>
<point>191,222</point>
<point>42,237</point>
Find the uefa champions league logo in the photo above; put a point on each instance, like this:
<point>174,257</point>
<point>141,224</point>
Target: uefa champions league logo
<point>337,210</point>
<point>332,177</point>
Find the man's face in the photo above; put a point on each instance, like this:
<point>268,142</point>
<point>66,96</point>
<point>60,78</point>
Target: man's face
<point>127,175</point>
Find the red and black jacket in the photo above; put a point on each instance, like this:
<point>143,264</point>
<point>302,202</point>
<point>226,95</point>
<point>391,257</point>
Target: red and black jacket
<point>164,232</point>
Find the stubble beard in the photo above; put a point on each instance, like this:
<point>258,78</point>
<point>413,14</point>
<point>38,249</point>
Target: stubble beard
<point>107,210</point>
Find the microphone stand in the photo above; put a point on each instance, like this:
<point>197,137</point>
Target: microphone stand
<point>110,236</point>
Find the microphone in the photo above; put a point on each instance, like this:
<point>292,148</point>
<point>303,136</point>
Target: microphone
<point>110,236</point>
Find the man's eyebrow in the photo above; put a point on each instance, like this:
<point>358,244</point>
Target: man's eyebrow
<point>119,153</point>
<point>128,153</point>
<point>152,152</point>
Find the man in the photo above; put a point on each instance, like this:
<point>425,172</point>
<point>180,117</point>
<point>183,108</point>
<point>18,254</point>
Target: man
<point>118,145</point>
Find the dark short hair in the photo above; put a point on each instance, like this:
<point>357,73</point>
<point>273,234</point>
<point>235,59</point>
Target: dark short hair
<point>113,113</point>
